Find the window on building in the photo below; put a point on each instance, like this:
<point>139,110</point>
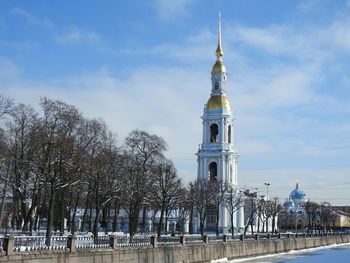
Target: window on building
<point>214,132</point>
<point>211,217</point>
<point>213,171</point>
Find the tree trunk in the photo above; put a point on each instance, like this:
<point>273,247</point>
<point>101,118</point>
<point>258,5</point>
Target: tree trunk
<point>133,222</point>
<point>190,229</point>
<point>2,206</point>
<point>85,212</point>
<point>116,212</point>
<point>232,227</point>
<point>36,221</point>
<point>90,216</point>
<point>144,215</point>
<point>160,222</point>
<point>202,228</point>
<point>74,213</point>
<point>50,219</point>
<point>251,226</point>
<point>95,229</point>
<point>217,221</point>
<point>134,211</point>
<point>61,214</point>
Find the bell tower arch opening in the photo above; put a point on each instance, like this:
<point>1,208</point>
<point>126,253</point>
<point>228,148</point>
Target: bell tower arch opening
<point>214,132</point>
<point>229,134</point>
<point>213,172</point>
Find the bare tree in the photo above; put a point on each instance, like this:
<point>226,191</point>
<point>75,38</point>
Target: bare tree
<point>202,197</point>
<point>233,201</point>
<point>7,164</point>
<point>326,216</point>
<point>56,135</point>
<point>312,213</point>
<point>6,105</point>
<point>20,129</point>
<point>184,206</point>
<point>142,150</point>
<point>276,208</point>
<point>220,188</point>
<point>165,188</point>
<point>105,181</point>
<point>250,209</point>
<point>263,214</point>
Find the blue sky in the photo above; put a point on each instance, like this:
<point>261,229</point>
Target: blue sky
<point>146,64</point>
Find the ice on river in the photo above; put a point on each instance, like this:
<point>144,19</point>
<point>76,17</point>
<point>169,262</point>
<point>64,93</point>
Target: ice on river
<point>316,255</point>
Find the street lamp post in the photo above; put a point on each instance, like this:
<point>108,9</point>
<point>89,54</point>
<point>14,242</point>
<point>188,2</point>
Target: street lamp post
<point>267,190</point>
<point>267,198</point>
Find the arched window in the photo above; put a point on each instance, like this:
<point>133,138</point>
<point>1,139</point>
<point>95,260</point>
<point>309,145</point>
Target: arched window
<point>216,86</point>
<point>229,134</point>
<point>213,171</point>
<point>214,132</point>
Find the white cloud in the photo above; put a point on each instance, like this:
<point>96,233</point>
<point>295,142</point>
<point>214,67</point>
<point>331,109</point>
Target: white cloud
<point>171,9</point>
<point>9,73</point>
<point>193,49</point>
<point>73,35</point>
<point>154,102</point>
<point>310,5</point>
<point>23,45</point>
<point>338,34</point>
<point>30,18</point>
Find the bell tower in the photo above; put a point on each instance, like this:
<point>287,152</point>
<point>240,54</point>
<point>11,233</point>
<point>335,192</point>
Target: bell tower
<point>216,156</point>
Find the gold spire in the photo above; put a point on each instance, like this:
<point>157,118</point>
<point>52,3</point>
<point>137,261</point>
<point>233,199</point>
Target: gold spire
<point>219,53</point>
<point>219,66</point>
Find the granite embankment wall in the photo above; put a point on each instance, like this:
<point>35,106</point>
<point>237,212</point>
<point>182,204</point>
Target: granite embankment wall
<point>179,253</point>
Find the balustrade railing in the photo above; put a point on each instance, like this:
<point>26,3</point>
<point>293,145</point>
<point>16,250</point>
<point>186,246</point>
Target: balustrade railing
<point>194,239</point>
<point>215,239</point>
<point>169,240</point>
<point>1,244</point>
<point>10,244</point>
<point>140,241</point>
<point>31,243</point>
<point>92,242</point>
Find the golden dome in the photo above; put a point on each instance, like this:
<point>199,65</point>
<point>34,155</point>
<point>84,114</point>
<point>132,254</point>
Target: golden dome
<point>219,67</point>
<point>218,103</point>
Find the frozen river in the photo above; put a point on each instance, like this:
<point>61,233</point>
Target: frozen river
<point>335,254</point>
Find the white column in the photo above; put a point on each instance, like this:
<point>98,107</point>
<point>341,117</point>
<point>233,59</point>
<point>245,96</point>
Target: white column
<point>221,170</point>
<point>228,169</point>
<point>223,216</point>
<point>186,227</point>
<point>205,170</point>
<point>225,132</point>
<point>204,131</point>
<point>201,167</point>
<point>222,131</point>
